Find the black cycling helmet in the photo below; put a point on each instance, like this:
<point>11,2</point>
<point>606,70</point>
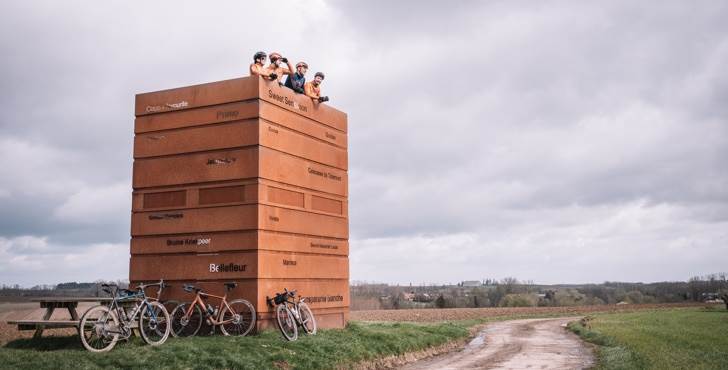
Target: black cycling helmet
<point>319,74</point>
<point>259,55</point>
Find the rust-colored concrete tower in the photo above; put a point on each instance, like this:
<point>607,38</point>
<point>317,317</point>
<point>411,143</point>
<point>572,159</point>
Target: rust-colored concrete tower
<point>242,180</point>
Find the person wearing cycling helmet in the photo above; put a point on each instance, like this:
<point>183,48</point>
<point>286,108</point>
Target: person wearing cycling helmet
<point>313,89</point>
<point>275,68</point>
<point>296,80</point>
<point>257,68</point>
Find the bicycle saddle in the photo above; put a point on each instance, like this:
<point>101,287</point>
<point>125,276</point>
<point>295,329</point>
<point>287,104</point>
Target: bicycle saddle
<point>230,285</point>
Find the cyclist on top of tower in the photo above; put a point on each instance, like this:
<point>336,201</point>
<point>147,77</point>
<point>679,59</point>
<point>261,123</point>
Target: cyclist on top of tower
<point>297,80</point>
<point>313,88</point>
<point>258,67</point>
<point>274,68</point>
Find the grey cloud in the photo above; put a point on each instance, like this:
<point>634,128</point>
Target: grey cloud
<point>496,129</point>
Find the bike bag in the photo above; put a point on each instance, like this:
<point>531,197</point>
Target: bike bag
<point>125,293</point>
<point>279,298</point>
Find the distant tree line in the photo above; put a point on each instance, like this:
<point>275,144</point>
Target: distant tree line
<point>70,289</point>
<point>510,292</point>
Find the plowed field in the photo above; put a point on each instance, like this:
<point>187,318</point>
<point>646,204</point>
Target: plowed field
<point>452,314</point>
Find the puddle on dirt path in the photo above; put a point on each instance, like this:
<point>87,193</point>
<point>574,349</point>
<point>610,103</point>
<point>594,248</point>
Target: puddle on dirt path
<point>517,344</point>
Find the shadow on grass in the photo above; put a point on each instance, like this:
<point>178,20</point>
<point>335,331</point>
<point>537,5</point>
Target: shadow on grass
<point>72,342</point>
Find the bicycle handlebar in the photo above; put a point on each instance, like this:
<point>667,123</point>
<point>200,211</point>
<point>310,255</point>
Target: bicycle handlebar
<point>281,297</point>
<point>161,284</point>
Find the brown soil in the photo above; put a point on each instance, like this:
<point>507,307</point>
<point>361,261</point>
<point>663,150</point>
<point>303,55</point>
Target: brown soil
<point>451,314</point>
<point>517,344</point>
<point>31,311</point>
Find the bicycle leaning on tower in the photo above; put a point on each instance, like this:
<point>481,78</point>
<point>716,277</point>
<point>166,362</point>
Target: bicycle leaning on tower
<point>102,326</point>
<point>236,317</point>
<point>290,314</point>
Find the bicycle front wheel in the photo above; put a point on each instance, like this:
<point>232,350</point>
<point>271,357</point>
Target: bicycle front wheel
<point>99,329</point>
<point>307,320</point>
<point>286,322</point>
<point>239,319</point>
<point>183,325</point>
<point>154,324</point>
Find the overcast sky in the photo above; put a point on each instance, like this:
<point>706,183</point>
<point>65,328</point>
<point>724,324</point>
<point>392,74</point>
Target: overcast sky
<point>550,141</point>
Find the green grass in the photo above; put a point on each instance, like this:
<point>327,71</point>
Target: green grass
<point>327,349</point>
<point>661,339</point>
<point>690,338</point>
<point>334,348</point>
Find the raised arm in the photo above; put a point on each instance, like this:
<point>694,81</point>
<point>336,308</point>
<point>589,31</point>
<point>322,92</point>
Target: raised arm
<point>258,70</point>
<point>290,69</point>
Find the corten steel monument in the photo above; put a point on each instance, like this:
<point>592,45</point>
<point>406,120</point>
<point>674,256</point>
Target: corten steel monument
<point>242,180</point>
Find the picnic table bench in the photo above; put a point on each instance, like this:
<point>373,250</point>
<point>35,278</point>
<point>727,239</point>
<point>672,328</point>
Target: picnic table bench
<point>50,304</point>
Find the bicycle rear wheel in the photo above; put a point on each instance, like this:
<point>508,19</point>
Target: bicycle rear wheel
<point>307,320</point>
<point>183,326</point>
<point>241,316</point>
<point>154,324</point>
<point>286,322</point>
<point>99,329</point>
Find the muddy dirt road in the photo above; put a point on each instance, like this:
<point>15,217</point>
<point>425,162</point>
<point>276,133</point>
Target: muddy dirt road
<point>517,344</point>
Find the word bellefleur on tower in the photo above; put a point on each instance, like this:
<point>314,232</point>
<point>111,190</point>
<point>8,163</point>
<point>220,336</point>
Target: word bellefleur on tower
<point>242,180</point>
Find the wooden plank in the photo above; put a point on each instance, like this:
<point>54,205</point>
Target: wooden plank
<point>239,134</point>
<point>236,90</point>
<point>37,324</point>
<point>196,117</point>
<point>237,241</point>
<point>196,96</point>
<point>70,299</point>
<point>285,98</point>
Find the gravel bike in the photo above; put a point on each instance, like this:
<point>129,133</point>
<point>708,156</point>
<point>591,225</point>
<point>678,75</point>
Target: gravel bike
<point>234,318</point>
<point>102,326</point>
<point>291,314</point>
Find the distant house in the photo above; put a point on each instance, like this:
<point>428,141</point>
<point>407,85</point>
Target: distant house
<point>408,296</point>
<point>471,283</point>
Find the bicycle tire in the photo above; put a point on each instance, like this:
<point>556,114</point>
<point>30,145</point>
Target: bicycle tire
<point>243,314</point>
<point>286,322</point>
<point>170,305</point>
<point>308,321</point>
<point>154,324</point>
<point>186,327</point>
<point>94,329</point>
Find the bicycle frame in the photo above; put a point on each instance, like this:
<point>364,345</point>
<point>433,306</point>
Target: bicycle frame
<point>198,301</point>
<point>292,305</point>
<point>126,319</point>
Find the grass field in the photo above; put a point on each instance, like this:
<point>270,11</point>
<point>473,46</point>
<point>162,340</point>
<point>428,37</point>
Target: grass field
<point>692,338</point>
<point>658,338</point>
<point>327,349</point>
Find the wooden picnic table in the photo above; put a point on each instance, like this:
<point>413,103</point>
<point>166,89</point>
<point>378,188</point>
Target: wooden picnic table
<point>50,304</point>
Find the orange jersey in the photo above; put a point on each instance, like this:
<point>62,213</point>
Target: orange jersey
<point>313,92</point>
<point>279,71</point>
<point>259,70</point>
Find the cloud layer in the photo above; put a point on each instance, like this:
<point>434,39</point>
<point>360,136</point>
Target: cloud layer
<point>555,142</point>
